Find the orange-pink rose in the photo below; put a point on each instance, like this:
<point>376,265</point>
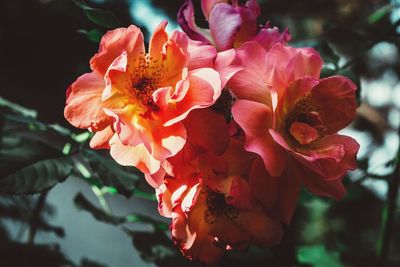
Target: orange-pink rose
<point>135,100</point>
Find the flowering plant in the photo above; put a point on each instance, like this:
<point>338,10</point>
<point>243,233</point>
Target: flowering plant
<point>264,101</point>
<point>233,141</point>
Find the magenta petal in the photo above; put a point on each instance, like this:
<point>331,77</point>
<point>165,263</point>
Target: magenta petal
<point>318,186</point>
<point>227,64</point>
<point>225,22</point>
<point>187,23</point>
<point>207,5</point>
<point>201,55</point>
<point>255,119</point>
<point>268,36</point>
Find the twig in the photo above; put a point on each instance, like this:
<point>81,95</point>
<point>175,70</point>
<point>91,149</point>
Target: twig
<point>389,214</point>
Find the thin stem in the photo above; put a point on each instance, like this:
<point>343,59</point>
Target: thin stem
<point>35,218</point>
<point>102,200</point>
<point>389,213</point>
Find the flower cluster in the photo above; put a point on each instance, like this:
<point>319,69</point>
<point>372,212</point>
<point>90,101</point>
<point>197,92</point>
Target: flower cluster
<point>226,123</point>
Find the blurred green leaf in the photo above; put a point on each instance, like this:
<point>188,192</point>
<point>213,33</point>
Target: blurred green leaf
<point>327,72</point>
<point>101,17</point>
<point>36,177</point>
<point>157,247</point>
<point>83,203</point>
<point>93,35</point>
<point>110,173</point>
<point>318,256</point>
<point>17,108</point>
<point>380,13</point>
<point>327,53</point>
<point>352,76</point>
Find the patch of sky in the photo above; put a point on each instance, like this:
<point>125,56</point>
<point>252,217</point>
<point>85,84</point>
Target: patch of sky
<point>144,12</point>
<point>378,92</point>
<point>395,15</point>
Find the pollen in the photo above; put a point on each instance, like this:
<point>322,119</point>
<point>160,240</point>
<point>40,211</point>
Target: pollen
<point>217,206</point>
<point>146,77</point>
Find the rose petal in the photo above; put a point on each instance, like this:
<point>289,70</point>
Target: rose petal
<point>208,129</point>
<point>137,156</point>
<point>188,25</point>
<point>249,83</point>
<point>101,139</point>
<point>337,101</point>
<point>224,22</point>
<point>205,88</point>
<point>113,43</point>
<point>255,119</point>
<point>84,107</point>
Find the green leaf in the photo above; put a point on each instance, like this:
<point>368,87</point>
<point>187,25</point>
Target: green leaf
<point>318,256</point>
<point>327,53</point>
<point>99,16</point>
<point>124,179</point>
<point>17,108</point>
<point>327,72</point>
<point>93,35</point>
<point>352,76</point>
<point>156,247</point>
<point>83,203</point>
<point>380,13</point>
<point>37,177</point>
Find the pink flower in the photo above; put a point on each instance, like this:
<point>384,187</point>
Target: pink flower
<point>230,24</point>
<point>291,117</point>
<point>211,204</point>
<point>135,100</point>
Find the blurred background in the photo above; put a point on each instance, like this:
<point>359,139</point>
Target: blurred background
<point>46,44</point>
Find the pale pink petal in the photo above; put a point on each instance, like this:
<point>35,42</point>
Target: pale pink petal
<point>227,64</point>
<point>174,138</point>
<point>156,179</point>
<point>101,139</point>
<point>249,83</point>
<point>161,97</point>
<point>137,156</point>
<point>201,55</point>
<point>224,22</point>
<point>205,88</point>
<point>188,25</point>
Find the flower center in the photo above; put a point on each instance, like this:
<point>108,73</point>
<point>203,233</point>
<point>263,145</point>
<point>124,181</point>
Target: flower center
<point>304,123</point>
<point>217,206</point>
<point>146,78</point>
